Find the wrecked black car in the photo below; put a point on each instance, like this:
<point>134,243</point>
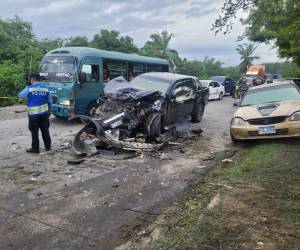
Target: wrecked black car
<point>132,114</point>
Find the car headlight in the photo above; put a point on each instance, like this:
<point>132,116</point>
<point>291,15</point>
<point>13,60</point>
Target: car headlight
<point>238,121</point>
<point>65,102</point>
<point>295,116</point>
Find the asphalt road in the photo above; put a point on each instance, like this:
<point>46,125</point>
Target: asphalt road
<point>45,203</point>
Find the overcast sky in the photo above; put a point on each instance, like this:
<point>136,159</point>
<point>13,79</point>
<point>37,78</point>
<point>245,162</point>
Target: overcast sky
<point>189,20</point>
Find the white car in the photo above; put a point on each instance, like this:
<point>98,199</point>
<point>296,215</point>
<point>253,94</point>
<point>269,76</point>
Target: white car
<point>216,89</point>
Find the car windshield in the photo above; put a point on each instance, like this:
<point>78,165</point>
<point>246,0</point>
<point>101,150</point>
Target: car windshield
<point>220,79</point>
<point>205,83</point>
<point>271,94</point>
<point>57,68</point>
<point>150,83</point>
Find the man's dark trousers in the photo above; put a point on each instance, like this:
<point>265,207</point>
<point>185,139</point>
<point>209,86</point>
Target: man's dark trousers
<point>42,123</point>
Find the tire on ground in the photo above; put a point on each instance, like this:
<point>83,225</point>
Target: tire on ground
<point>91,108</point>
<point>198,112</point>
<point>221,96</point>
<point>154,125</point>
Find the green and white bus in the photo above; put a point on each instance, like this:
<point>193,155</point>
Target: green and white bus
<point>76,75</point>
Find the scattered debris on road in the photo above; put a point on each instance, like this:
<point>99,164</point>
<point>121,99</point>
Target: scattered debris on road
<point>226,161</point>
<point>75,161</point>
<point>116,182</point>
<point>19,111</point>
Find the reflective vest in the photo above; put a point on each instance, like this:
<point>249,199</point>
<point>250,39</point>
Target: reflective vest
<point>37,103</point>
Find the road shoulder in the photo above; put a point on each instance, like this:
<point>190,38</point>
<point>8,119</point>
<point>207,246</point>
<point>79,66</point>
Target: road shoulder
<point>250,201</point>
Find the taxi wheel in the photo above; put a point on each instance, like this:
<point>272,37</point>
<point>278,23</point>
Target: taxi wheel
<point>234,140</point>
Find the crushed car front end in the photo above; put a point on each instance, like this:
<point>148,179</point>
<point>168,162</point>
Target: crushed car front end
<point>125,117</point>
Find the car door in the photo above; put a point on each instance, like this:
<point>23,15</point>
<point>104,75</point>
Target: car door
<point>217,87</point>
<point>214,90</point>
<point>229,85</point>
<point>220,88</point>
<point>182,99</point>
<point>91,87</point>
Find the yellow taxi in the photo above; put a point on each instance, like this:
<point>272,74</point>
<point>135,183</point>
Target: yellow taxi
<point>267,111</point>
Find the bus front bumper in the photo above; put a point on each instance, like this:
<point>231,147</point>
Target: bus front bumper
<point>62,110</point>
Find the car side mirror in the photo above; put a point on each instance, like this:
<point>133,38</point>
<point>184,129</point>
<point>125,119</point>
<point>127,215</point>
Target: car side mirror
<point>82,77</point>
<point>236,104</point>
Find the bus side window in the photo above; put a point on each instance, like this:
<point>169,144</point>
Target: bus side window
<point>115,68</point>
<point>165,68</point>
<point>150,68</point>
<point>138,68</point>
<point>158,68</point>
<point>155,68</point>
<point>106,73</point>
<point>91,71</point>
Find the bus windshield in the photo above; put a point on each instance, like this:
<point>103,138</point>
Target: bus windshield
<point>57,68</point>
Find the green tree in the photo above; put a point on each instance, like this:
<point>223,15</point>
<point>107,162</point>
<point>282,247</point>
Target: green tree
<point>45,45</point>
<point>191,68</point>
<point>246,51</point>
<point>111,40</point>
<point>16,36</point>
<point>277,21</point>
<point>201,69</point>
<point>77,41</point>
<point>269,20</point>
<point>158,46</point>
<point>18,53</point>
<point>233,72</point>
<point>212,67</point>
<point>286,69</point>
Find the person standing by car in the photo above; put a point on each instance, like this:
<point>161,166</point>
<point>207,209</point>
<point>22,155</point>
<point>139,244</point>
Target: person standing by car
<point>39,102</point>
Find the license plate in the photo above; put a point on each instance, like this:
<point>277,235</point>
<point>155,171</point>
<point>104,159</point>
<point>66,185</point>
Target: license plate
<point>267,130</point>
<point>116,124</point>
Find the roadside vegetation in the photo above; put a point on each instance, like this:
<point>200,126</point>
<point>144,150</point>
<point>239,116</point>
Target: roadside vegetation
<point>252,202</point>
<point>21,53</point>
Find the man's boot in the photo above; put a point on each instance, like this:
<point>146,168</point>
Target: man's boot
<point>33,151</point>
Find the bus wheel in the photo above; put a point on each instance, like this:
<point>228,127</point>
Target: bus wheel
<point>91,109</point>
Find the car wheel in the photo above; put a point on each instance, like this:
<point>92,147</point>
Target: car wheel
<point>221,96</point>
<point>91,109</point>
<point>234,140</point>
<point>198,112</point>
<point>154,125</point>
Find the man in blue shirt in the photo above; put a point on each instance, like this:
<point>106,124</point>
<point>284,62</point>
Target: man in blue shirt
<point>39,103</point>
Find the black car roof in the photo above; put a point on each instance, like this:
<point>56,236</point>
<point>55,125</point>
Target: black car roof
<point>172,77</point>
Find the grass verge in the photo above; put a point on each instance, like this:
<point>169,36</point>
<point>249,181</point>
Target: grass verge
<point>251,203</point>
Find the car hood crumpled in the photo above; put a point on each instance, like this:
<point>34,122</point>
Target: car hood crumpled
<point>119,86</point>
<point>284,108</point>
